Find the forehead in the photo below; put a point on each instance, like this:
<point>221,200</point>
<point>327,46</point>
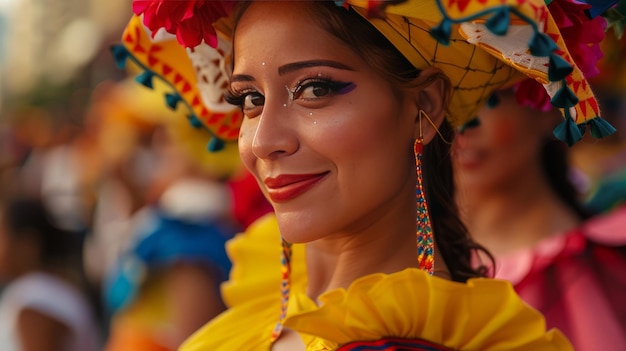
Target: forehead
<point>274,32</point>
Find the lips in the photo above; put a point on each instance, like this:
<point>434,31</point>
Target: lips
<point>289,186</point>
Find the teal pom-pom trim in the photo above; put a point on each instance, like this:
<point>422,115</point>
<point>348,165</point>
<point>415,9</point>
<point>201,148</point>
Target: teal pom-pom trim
<point>499,23</point>
<point>568,132</point>
<point>145,79</point>
<point>541,45</point>
<point>120,55</point>
<point>472,123</point>
<point>442,32</point>
<point>493,101</point>
<point>600,128</point>
<point>564,98</point>
<point>558,68</point>
<point>216,144</point>
<point>172,100</point>
<point>195,122</point>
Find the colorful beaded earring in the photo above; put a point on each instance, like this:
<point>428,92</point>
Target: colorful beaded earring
<point>424,232</point>
<point>285,285</point>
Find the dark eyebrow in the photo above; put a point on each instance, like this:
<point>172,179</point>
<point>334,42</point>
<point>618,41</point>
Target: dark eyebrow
<point>290,67</point>
<point>241,78</point>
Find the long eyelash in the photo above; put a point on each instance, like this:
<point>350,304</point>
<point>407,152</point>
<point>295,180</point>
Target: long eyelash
<point>235,97</point>
<point>335,86</point>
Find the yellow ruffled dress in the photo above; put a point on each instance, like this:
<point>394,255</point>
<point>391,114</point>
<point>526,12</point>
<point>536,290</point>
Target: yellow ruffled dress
<point>482,314</point>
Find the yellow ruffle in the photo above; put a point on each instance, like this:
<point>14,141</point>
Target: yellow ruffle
<point>246,327</point>
<point>256,264</point>
<point>483,314</point>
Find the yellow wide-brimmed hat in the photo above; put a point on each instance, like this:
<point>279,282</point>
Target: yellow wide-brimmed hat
<point>481,45</point>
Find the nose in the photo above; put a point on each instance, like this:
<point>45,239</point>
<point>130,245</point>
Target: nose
<point>275,136</point>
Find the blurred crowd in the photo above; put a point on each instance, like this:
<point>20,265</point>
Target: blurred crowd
<point>136,208</point>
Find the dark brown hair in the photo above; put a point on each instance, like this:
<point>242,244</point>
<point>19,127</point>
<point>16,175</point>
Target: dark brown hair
<point>556,168</point>
<point>451,235</point>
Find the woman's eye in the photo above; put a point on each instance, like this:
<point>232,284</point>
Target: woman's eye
<point>314,91</point>
<point>319,88</point>
<point>253,100</point>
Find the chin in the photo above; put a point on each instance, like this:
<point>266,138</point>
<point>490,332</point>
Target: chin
<point>298,230</point>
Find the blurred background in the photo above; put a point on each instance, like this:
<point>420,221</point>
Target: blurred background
<point>112,166</point>
<point>128,251</point>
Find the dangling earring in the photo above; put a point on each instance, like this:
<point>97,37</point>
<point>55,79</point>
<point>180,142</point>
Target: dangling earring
<point>285,286</point>
<point>424,232</point>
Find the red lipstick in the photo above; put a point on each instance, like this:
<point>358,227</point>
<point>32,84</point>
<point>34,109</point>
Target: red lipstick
<point>289,186</point>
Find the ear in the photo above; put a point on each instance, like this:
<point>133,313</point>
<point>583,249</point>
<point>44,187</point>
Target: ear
<point>431,95</point>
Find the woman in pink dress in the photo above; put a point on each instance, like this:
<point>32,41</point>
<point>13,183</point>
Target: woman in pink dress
<point>518,202</point>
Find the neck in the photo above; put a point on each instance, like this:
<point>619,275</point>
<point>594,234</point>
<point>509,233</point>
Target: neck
<point>509,217</point>
<point>386,246</point>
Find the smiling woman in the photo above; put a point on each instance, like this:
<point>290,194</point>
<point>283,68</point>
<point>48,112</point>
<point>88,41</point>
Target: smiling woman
<point>344,112</point>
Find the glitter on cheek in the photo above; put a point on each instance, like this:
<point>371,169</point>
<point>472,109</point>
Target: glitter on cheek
<point>346,89</point>
<point>289,94</point>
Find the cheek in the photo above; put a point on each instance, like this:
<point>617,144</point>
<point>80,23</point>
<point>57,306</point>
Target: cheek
<point>504,133</point>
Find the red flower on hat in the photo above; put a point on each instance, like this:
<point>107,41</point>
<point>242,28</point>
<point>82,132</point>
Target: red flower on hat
<point>190,20</point>
<point>582,36</point>
<point>531,94</point>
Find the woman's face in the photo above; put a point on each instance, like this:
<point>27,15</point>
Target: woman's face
<point>327,138</point>
<point>505,145</point>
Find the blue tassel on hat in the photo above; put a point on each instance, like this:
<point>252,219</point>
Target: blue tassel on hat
<point>558,68</point>
<point>195,122</point>
<point>442,32</point>
<point>145,79</point>
<point>120,55</point>
<point>600,128</point>
<point>172,100</point>
<point>564,98</point>
<point>541,45</point>
<point>215,144</point>
<point>499,23</point>
<point>568,132</point>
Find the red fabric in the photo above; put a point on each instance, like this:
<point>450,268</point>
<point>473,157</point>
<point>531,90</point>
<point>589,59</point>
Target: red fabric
<point>578,283</point>
<point>249,203</point>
